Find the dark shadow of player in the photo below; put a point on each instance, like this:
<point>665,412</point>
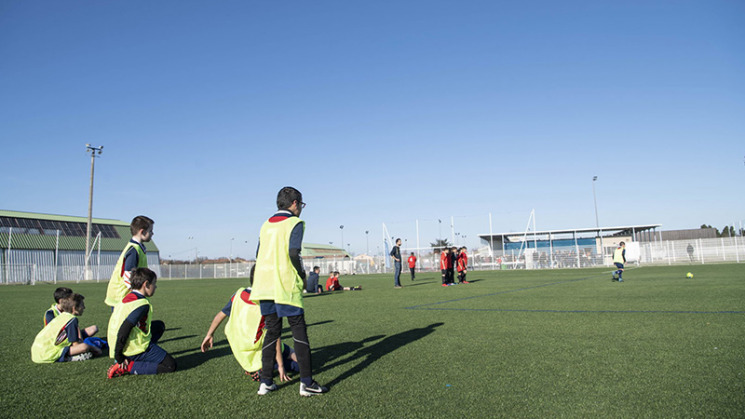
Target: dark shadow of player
<point>374,352</point>
<point>194,359</point>
<point>177,338</point>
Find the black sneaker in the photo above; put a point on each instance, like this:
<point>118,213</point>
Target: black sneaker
<point>312,389</point>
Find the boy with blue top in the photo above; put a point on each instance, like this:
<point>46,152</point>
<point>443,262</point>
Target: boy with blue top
<point>61,340</point>
<point>133,256</point>
<point>133,335</point>
<point>60,294</point>
<point>278,282</point>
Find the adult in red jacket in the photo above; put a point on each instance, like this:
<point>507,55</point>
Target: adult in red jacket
<point>412,265</point>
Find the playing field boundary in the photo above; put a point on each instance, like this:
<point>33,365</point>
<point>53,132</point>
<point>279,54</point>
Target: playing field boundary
<point>428,305</point>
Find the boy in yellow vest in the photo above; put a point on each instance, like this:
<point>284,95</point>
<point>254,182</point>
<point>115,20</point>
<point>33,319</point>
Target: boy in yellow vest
<point>60,294</point>
<point>132,257</point>
<point>245,333</point>
<point>133,334</point>
<point>60,340</point>
<point>278,282</point>
<point>619,258</point>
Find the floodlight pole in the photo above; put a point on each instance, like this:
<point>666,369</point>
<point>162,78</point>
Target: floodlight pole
<point>597,224</point>
<point>341,227</point>
<point>92,150</point>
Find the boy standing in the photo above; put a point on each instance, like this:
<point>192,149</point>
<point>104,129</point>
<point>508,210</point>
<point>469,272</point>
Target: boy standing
<point>462,266</point>
<point>412,265</point>
<point>278,282</point>
<point>60,340</point>
<point>133,334</point>
<point>444,258</point>
<point>132,257</point>
<point>619,258</point>
<point>60,294</point>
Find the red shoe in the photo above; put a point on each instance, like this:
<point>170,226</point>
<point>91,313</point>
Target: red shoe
<point>465,282</point>
<point>117,370</point>
<point>444,285</point>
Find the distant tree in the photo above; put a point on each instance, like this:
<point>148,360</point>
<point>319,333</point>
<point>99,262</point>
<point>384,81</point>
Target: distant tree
<point>439,244</point>
<point>716,230</point>
<point>728,231</point>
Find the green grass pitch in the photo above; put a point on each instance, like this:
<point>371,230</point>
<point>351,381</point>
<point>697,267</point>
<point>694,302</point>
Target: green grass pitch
<point>564,343</point>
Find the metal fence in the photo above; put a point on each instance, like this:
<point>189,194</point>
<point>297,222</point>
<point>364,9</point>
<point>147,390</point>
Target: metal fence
<point>671,252</point>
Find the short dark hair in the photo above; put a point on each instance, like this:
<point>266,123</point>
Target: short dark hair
<point>287,196</point>
<point>77,301</point>
<point>62,292</point>
<point>140,222</point>
<point>398,239</point>
<point>316,267</point>
<point>141,276</point>
<point>622,244</point>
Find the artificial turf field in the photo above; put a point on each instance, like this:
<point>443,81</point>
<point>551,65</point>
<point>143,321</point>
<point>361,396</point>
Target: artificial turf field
<point>560,343</point>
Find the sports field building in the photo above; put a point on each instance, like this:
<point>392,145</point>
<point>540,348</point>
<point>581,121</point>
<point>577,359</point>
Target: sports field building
<point>51,248</point>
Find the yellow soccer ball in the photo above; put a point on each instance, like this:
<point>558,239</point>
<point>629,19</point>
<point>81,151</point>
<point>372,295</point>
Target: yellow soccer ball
<point>689,275</point>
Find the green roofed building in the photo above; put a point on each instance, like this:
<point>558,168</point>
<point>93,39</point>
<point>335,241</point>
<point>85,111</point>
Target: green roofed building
<point>322,251</point>
<point>50,248</point>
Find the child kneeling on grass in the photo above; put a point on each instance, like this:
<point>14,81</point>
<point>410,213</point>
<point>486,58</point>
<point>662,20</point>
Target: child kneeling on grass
<point>60,340</point>
<point>133,334</point>
<point>245,333</point>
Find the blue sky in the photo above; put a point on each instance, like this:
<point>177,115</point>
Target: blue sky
<point>379,112</point>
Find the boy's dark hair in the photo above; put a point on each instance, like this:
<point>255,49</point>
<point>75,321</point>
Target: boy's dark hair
<point>69,303</point>
<point>287,196</point>
<point>140,222</point>
<point>60,293</point>
<point>141,276</point>
<point>316,267</point>
<point>77,301</point>
<point>621,244</point>
<point>398,240</point>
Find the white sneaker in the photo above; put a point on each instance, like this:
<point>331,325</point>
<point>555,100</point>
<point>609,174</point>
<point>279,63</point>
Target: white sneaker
<point>82,357</point>
<point>312,389</point>
<point>265,389</point>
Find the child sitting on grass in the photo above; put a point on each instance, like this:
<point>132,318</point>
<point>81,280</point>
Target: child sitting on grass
<point>60,340</point>
<point>332,284</point>
<point>54,311</point>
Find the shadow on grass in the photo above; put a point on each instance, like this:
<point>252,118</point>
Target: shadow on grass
<point>170,329</point>
<point>287,328</point>
<point>197,358</point>
<point>177,338</point>
<point>368,354</point>
<point>417,283</point>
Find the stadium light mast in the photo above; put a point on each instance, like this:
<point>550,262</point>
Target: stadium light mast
<point>341,227</point>
<point>92,150</point>
<point>367,242</point>
<point>597,224</point>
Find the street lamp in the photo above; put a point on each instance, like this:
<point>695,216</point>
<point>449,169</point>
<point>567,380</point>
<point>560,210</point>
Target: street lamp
<point>341,227</point>
<point>92,150</point>
<point>367,242</point>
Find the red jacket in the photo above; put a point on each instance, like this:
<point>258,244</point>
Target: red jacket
<point>462,262</point>
<point>446,262</point>
<point>412,261</point>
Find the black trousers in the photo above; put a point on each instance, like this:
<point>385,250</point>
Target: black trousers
<point>412,272</point>
<point>301,344</point>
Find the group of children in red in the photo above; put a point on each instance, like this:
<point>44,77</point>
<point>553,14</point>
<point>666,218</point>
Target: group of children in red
<point>452,260</point>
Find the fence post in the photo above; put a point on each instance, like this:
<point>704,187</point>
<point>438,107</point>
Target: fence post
<point>701,252</point>
<point>724,252</point>
<point>737,254</point>
<point>33,274</point>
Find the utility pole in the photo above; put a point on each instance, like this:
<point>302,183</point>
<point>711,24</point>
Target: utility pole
<point>92,150</point>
